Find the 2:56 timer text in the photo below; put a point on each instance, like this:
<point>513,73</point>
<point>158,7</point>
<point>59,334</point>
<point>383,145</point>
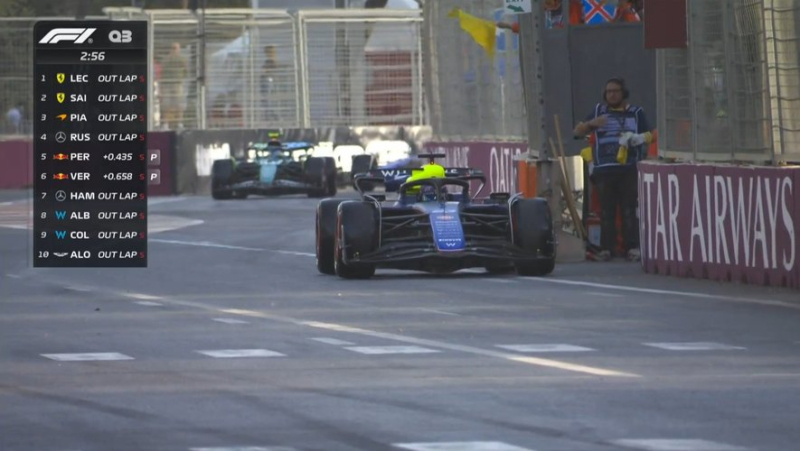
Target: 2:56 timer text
<point>93,56</point>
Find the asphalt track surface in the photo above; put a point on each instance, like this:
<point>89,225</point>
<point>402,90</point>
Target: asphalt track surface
<point>231,340</point>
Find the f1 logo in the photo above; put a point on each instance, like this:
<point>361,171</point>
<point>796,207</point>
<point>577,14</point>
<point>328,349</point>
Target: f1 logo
<point>120,37</point>
<point>76,35</point>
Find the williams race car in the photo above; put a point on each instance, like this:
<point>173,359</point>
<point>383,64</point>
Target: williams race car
<point>274,168</point>
<point>434,225</point>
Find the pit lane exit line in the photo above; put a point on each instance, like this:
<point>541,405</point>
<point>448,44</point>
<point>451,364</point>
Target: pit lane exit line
<point>534,279</point>
<point>230,247</point>
<point>716,297</point>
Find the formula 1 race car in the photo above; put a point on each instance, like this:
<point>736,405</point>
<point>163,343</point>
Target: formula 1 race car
<point>274,168</point>
<point>434,225</point>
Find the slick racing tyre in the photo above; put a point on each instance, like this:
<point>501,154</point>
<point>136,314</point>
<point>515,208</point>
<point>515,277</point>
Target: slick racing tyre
<point>326,235</point>
<point>321,172</point>
<point>534,232</point>
<point>221,175</point>
<point>356,234</point>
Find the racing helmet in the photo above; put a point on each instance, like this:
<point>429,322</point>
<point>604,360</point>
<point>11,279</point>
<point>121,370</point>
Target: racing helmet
<point>429,171</point>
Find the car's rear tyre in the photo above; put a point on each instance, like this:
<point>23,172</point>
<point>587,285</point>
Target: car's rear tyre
<point>534,232</point>
<point>356,234</point>
<point>326,235</point>
<point>221,175</point>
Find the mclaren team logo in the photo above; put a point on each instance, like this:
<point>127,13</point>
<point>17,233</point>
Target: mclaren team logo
<point>76,35</point>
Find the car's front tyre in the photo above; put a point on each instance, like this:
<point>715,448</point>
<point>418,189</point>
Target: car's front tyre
<point>326,235</point>
<point>221,175</point>
<point>356,234</point>
<point>534,233</point>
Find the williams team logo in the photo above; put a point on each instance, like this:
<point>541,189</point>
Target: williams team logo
<point>75,35</point>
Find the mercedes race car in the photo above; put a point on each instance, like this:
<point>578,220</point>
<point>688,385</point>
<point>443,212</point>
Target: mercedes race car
<point>434,225</point>
<point>274,168</point>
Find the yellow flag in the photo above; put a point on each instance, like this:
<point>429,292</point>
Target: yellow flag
<point>484,32</point>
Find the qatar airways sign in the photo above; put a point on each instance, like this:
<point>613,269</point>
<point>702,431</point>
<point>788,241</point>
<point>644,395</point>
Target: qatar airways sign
<point>720,222</point>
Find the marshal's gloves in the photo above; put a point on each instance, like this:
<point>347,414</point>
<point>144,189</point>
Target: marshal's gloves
<point>629,139</point>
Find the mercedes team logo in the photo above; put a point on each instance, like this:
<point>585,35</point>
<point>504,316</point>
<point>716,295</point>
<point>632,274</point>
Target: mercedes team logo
<point>61,196</point>
<point>61,137</point>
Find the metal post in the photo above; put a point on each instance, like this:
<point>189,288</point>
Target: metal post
<point>532,29</point>
<point>202,78</point>
<point>151,73</point>
<point>777,82</point>
<point>728,77</point>
<point>692,81</point>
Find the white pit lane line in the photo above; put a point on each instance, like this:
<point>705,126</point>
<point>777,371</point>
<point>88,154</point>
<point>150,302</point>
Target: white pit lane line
<point>230,247</point>
<point>579,283</point>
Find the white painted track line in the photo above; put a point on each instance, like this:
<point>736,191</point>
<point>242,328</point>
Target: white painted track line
<point>381,350</point>
<point>89,356</point>
<point>690,294</point>
<point>534,348</point>
<point>694,346</point>
<point>460,446</point>
<point>238,353</point>
<point>676,445</point>
<point>229,321</point>
<point>333,341</point>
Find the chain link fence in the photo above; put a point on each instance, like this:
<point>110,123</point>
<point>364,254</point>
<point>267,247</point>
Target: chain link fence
<point>732,94</point>
<point>472,97</point>
<point>781,19</point>
<point>362,67</point>
<point>16,72</point>
<point>255,68</point>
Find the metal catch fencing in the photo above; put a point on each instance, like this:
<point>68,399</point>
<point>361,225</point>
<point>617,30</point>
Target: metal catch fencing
<point>256,68</point>
<point>472,97</point>
<point>732,94</point>
<point>16,73</point>
<point>362,67</point>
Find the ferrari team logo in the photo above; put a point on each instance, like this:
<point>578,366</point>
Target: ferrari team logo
<point>60,97</point>
<point>61,77</point>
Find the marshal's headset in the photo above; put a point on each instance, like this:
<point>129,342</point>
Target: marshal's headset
<point>621,82</point>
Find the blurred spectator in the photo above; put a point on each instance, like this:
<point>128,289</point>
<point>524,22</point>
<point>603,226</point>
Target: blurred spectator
<point>626,12</point>
<point>174,71</point>
<point>270,78</point>
<point>555,15</point>
<point>14,119</point>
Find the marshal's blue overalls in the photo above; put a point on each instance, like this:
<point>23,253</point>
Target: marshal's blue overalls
<point>617,183</point>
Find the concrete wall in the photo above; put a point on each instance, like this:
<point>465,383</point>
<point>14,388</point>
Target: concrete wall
<point>16,164</point>
<point>721,222</point>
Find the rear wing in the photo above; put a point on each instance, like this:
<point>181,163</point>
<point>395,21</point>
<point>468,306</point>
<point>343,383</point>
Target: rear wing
<point>392,179</point>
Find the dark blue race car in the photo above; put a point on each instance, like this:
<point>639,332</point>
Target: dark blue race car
<point>434,225</point>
